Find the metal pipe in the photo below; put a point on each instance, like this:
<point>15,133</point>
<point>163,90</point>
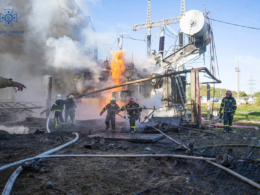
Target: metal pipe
<point>198,97</point>
<point>235,174</point>
<point>208,101</point>
<point>177,142</point>
<point>148,79</point>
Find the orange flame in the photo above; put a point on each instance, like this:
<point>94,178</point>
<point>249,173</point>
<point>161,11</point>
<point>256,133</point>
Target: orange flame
<point>117,65</point>
<point>117,68</point>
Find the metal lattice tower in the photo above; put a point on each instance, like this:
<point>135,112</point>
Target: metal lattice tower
<point>182,7</point>
<point>149,12</point>
<point>252,82</point>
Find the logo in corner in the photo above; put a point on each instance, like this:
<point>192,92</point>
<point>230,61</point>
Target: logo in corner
<point>8,17</point>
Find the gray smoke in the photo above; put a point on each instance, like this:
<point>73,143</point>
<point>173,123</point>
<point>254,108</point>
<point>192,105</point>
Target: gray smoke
<point>58,39</point>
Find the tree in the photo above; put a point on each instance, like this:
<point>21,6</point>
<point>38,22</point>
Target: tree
<point>234,93</point>
<point>243,94</point>
<point>256,94</point>
<point>257,102</point>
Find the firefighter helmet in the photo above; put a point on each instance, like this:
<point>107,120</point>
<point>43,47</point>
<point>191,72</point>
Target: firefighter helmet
<point>131,100</point>
<point>228,93</point>
<point>113,99</point>
<point>71,96</point>
<point>59,96</point>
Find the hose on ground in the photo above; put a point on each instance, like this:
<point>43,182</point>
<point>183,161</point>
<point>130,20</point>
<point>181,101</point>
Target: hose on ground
<point>235,174</point>
<point>126,156</point>
<point>8,187</point>
<point>47,124</point>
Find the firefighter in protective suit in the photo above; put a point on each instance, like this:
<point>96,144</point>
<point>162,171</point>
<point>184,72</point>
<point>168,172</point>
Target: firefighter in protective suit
<point>70,106</point>
<point>112,109</point>
<point>229,106</point>
<point>4,82</point>
<point>58,106</point>
<point>133,111</point>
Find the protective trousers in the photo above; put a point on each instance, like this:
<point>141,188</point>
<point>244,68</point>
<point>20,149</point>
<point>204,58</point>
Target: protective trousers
<point>58,115</point>
<point>113,122</point>
<point>132,121</point>
<point>70,114</point>
<point>228,121</point>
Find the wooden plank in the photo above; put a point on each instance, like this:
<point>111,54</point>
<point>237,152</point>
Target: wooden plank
<point>137,137</point>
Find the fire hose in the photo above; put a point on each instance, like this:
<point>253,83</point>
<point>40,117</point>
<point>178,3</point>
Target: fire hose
<point>11,180</point>
<point>209,160</point>
<point>47,124</point>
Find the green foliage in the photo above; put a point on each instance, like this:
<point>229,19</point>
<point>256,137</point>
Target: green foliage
<point>256,94</point>
<point>257,102</point>
<point>203,91</point>
<point>243,94</point>
<point>244,106</point>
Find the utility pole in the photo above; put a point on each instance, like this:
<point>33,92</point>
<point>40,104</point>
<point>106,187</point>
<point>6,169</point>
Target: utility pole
<point>149,20</point>
<point>238,92</point>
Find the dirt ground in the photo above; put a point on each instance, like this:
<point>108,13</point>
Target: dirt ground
<point>116,176</point>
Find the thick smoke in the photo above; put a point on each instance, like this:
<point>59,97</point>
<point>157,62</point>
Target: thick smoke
<point>57,38</point>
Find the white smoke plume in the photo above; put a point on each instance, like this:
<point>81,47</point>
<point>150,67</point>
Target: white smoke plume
<point>57,35</point>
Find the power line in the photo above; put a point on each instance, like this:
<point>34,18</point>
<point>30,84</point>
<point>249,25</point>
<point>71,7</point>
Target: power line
<point>235,24</point>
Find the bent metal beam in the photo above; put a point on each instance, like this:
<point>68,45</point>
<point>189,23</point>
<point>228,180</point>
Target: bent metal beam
<point>204,69</point>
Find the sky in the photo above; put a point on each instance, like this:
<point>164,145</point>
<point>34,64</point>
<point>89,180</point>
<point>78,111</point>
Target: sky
<point>232,43</point>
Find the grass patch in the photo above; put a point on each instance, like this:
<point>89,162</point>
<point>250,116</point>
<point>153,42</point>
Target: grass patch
<point>244,112</point>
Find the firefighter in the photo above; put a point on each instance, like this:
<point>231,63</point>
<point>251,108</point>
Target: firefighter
<point>133,111</point>
<point>70,106</point>
<point>10,83</point>
<point>58,106</point>
<point>112,108</point>
<point>229,106</point>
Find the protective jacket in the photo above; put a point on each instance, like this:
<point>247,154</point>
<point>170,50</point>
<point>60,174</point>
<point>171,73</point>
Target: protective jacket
<point>5,82</point>
<point>70,105</point>
<point>58,105</point>
<point>228,105</point>
<point>133,109</point>
<point>111,110</point>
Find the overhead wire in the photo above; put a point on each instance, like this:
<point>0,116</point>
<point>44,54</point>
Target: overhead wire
<point>129,37</point>
<point>235,24</point>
